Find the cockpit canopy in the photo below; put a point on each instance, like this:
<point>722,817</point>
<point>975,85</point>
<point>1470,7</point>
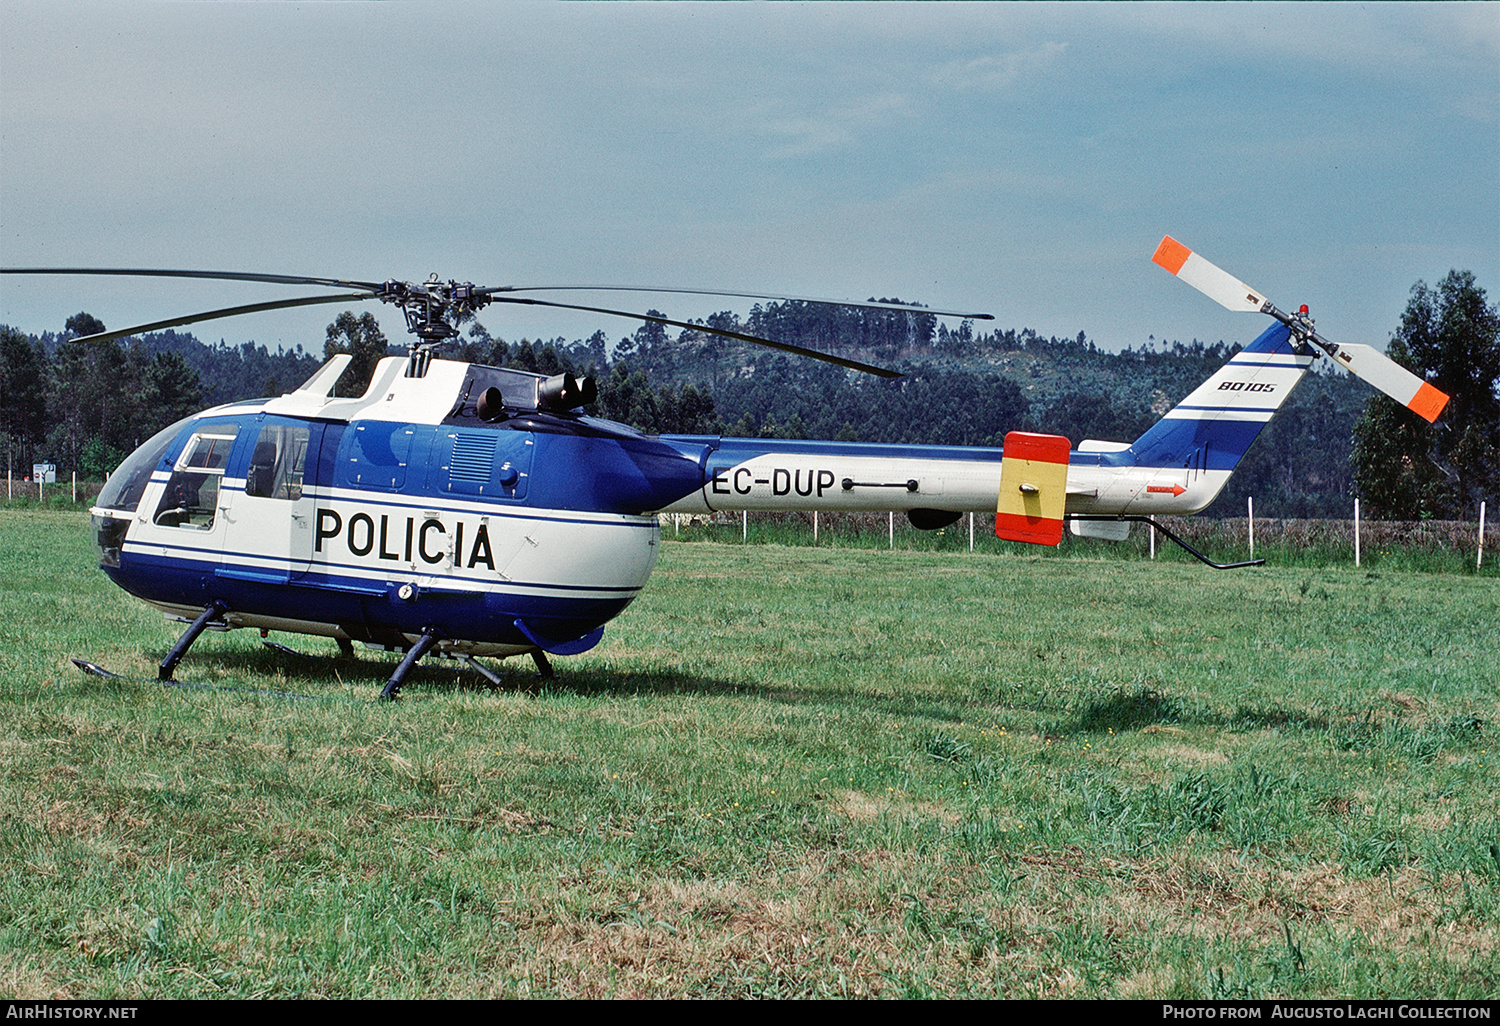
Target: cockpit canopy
<point>127,484</point>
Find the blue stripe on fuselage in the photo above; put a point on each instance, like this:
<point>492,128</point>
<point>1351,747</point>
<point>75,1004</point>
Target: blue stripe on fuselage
<point>487,615</point>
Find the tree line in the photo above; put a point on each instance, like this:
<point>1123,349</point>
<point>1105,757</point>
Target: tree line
<point>85,408</point>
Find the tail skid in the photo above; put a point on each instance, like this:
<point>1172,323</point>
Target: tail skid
<point>1081,522</point>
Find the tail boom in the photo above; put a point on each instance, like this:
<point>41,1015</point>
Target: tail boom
<point>1177,467</point>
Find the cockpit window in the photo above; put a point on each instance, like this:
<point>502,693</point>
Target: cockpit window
<point>208,451</point>
<point>192,495</point>
<point>127,484</point>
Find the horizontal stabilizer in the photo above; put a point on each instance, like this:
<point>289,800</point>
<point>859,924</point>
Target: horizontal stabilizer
<point>1033,488</point>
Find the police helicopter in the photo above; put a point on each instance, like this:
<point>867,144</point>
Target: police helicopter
<point>478,511</point>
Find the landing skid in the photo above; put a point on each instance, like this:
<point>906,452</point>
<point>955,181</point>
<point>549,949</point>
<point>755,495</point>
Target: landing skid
<point>95,670</point>
<point>430,637</point>
<point>346,650</point>
<point>215,613</point>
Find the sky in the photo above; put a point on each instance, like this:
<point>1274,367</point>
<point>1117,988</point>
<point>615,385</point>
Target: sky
<point>1018,159</point>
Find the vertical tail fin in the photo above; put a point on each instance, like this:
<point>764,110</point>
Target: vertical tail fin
<point>1211,429</point>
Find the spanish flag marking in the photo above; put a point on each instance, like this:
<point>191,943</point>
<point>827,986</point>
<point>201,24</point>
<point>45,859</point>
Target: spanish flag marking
<point>1033,488</point>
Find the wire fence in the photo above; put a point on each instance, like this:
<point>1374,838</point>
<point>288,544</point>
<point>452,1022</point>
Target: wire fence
<point>62,494</point>
<point>1438,545</point>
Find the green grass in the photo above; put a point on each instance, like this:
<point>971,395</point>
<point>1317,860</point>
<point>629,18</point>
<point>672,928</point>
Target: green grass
<point>787,772</point>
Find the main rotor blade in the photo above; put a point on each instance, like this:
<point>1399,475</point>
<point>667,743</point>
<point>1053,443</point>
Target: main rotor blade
<point>149,272</point>
<point>785,347</point>
<point>1364,362</point>
<point>233,311</point>
<point>867,304</point>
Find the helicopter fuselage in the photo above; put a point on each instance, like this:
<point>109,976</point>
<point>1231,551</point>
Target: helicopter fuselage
<point>377,518</point>
<point>473,506</point>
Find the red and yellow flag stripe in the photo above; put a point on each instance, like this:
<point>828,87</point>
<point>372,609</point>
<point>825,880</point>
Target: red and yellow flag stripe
<point>1033,488</point>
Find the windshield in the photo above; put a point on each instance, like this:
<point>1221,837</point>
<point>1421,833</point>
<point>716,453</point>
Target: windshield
<point>125,486</point>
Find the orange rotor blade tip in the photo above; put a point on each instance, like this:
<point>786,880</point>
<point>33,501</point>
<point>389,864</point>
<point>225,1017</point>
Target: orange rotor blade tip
<point>1171,254</point>
<point>1428,402</point>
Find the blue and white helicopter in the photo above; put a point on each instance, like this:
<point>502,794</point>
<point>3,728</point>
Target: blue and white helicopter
<point>477,511</point>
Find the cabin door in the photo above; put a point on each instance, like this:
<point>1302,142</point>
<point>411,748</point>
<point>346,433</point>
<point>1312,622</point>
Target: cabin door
<point>270,536</point>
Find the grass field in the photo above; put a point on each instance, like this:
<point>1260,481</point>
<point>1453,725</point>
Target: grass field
<point>787,772</point>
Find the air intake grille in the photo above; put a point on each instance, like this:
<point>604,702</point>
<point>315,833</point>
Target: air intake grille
<point>473,458</point>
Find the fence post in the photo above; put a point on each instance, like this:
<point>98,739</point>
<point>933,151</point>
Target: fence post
<point>744,525</point>
<point>971,525</point>
<point>1250,522</point>
<point>1152,537</point>
<point>891,528</point>
<point>1356,534</point>
<point>815,527</point>
<point>1479,560</point>
<point>75,486</point>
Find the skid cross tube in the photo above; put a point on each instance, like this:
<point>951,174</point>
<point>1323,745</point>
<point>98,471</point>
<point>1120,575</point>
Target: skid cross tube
<point>1147,520</point>
<point>543,664</point>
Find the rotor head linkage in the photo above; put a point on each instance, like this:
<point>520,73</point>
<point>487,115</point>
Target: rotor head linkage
<point>432,307</point>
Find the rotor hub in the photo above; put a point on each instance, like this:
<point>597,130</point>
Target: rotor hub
<point>434,308</point>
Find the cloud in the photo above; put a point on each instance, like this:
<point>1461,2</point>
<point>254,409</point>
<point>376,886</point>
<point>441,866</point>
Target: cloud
<point>835,128</point>
<point>999,71</point>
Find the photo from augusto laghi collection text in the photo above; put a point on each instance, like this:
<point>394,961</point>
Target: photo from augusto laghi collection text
<point>1351,1010</point>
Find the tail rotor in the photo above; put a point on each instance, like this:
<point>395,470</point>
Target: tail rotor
<point>1362,361</point>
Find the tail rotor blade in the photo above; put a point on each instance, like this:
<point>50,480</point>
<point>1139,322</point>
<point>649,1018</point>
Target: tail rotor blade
<point>1362,361</point>
<point>1214,282</point>
<point>1370,364</point>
